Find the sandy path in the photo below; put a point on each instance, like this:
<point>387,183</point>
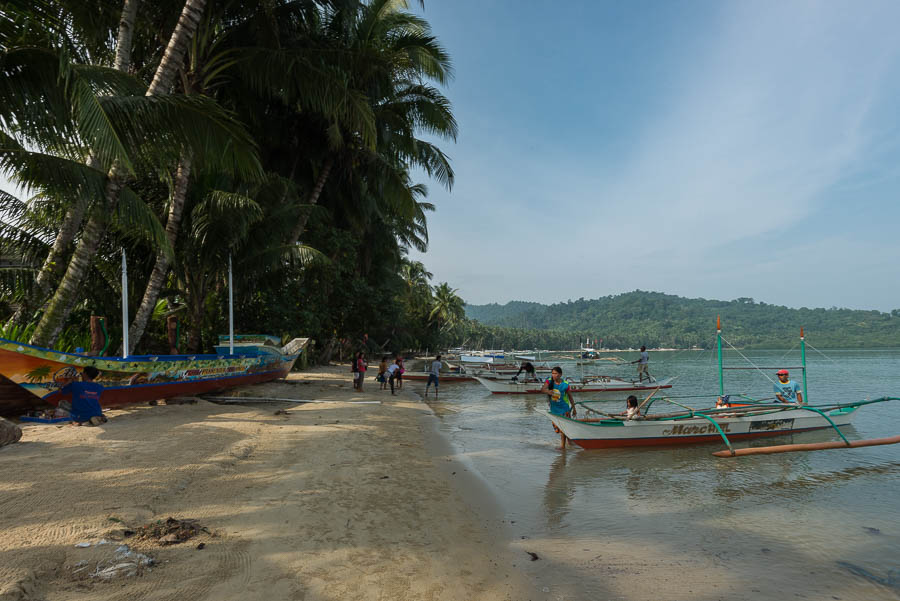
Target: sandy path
<point>330,501</point>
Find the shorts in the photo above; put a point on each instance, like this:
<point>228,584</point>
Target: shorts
<point>432,378</point>
<point>358,375</point>
<point>642,368</point>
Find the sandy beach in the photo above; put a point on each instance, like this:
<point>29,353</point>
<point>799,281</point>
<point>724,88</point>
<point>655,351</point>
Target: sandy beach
<point>325,501</point>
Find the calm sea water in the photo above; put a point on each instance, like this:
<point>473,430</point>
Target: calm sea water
<point>678,523</point>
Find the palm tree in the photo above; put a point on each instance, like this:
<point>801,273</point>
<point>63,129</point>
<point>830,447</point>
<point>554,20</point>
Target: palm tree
<point>448,308</point>
<point>389,53</point>
<point>62,302</point>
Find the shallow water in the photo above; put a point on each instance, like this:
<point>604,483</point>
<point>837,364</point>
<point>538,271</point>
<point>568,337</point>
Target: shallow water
<point>678,523</point>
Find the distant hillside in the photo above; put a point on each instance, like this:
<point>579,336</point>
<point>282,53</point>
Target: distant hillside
<point>663,320</point>
<point>493,313</point>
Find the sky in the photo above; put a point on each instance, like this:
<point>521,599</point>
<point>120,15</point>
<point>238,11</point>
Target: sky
<point>698,148</point>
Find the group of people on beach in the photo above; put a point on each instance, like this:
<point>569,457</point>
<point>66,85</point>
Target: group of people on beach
<point>389,374</point>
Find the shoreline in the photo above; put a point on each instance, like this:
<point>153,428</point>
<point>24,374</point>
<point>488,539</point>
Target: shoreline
<point>321,501</point>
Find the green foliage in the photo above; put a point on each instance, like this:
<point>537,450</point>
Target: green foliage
<point>662,320</point>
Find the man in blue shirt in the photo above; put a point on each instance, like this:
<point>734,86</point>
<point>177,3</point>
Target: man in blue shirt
<point>86,398</point>
<point>643,363</point>
<point>787,391</point>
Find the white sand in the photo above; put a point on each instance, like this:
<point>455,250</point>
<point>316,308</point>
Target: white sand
<point>332,501</point>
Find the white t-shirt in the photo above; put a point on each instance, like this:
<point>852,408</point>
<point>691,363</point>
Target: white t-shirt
<point>393,367</point>
<point>436,368</point>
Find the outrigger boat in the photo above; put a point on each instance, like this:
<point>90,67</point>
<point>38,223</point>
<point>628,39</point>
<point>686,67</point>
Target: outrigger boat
<point>736,421</point>
<point>598,387</point>
<point>31,376</point>
<point>40,373</point>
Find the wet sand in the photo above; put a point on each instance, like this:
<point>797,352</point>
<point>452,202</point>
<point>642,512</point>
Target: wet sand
<point>327,501</point>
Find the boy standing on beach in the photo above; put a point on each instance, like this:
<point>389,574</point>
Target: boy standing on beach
<point>382,372</point>
<point>86,398</point>
<point>433,376</point>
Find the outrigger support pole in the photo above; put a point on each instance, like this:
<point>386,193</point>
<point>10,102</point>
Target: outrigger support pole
<point>822,413</point>
<point>719,430</point>
<point>719,343</point>
<point>803,363</point>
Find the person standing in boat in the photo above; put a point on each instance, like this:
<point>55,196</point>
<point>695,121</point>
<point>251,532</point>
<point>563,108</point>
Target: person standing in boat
<point>559,393</point>
<point>643,364</point>
<point>786,390</point>
<point>528,368</point>
<point>85,398</point>
<point>433,376</point>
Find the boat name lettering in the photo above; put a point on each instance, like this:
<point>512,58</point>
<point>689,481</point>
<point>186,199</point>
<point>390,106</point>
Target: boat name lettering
<point>773,424</point>
<point>681,429</point>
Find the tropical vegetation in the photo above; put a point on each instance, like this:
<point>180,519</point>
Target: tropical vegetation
<point>658,320</point>
<point>280,137</point>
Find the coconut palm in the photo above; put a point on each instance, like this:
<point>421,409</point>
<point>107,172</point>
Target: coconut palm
<point>448,309</point>
<point>60,305</point>
<point>390,53</point>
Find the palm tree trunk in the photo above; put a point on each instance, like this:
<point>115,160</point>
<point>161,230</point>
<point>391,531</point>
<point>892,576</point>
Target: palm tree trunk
<point>161,268</point>
<point>64,298</point>
<point>175,51</point>
<point>61,304</point>
<point>126,33</point>
<point>53,264</point>
<point>52,269</point>
<point>313,199</point>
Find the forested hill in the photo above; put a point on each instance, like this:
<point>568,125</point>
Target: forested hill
<point>663,320</point>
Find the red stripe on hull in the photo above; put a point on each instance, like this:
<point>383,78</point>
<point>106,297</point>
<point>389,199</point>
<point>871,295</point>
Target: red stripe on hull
<point>594,443</point>
<point>574,390</point>
<point>114,397</point>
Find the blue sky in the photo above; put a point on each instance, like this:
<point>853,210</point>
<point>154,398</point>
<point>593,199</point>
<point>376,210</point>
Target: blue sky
<point>705,149</point>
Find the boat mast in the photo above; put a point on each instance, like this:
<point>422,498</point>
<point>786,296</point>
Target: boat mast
<point>803,363</point>
<point>230,310</point>
<point>124,305</point>
<point>719,342</point>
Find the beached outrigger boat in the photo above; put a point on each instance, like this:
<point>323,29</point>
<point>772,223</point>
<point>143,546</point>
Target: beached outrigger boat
<point>597,387</point>
<point>735,421</point>
<point>39,373</point>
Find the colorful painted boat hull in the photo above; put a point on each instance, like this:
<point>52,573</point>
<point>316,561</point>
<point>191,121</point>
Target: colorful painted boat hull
<point>43,372</point>
<point>607,433</point>
<point>611,389</point>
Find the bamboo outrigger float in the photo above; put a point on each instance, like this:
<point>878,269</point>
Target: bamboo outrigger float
<point>736,421</point>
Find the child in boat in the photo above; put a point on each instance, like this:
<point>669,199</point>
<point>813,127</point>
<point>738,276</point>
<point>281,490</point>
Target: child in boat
<point>631,408</point>
<point>85,397</point>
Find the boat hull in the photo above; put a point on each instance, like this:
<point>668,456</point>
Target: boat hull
<point>43,372</point>
<point>605,434</point>
<point>608,389</point>
<point>448,377</point>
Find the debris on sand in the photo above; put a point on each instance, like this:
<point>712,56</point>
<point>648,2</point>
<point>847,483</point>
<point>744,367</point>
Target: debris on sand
<point>170,531</point>
<point>125,562</point>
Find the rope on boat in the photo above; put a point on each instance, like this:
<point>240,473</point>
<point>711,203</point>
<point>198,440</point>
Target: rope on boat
<point>747,359</point>
<point>820,352</point>
<point>788,352</point>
